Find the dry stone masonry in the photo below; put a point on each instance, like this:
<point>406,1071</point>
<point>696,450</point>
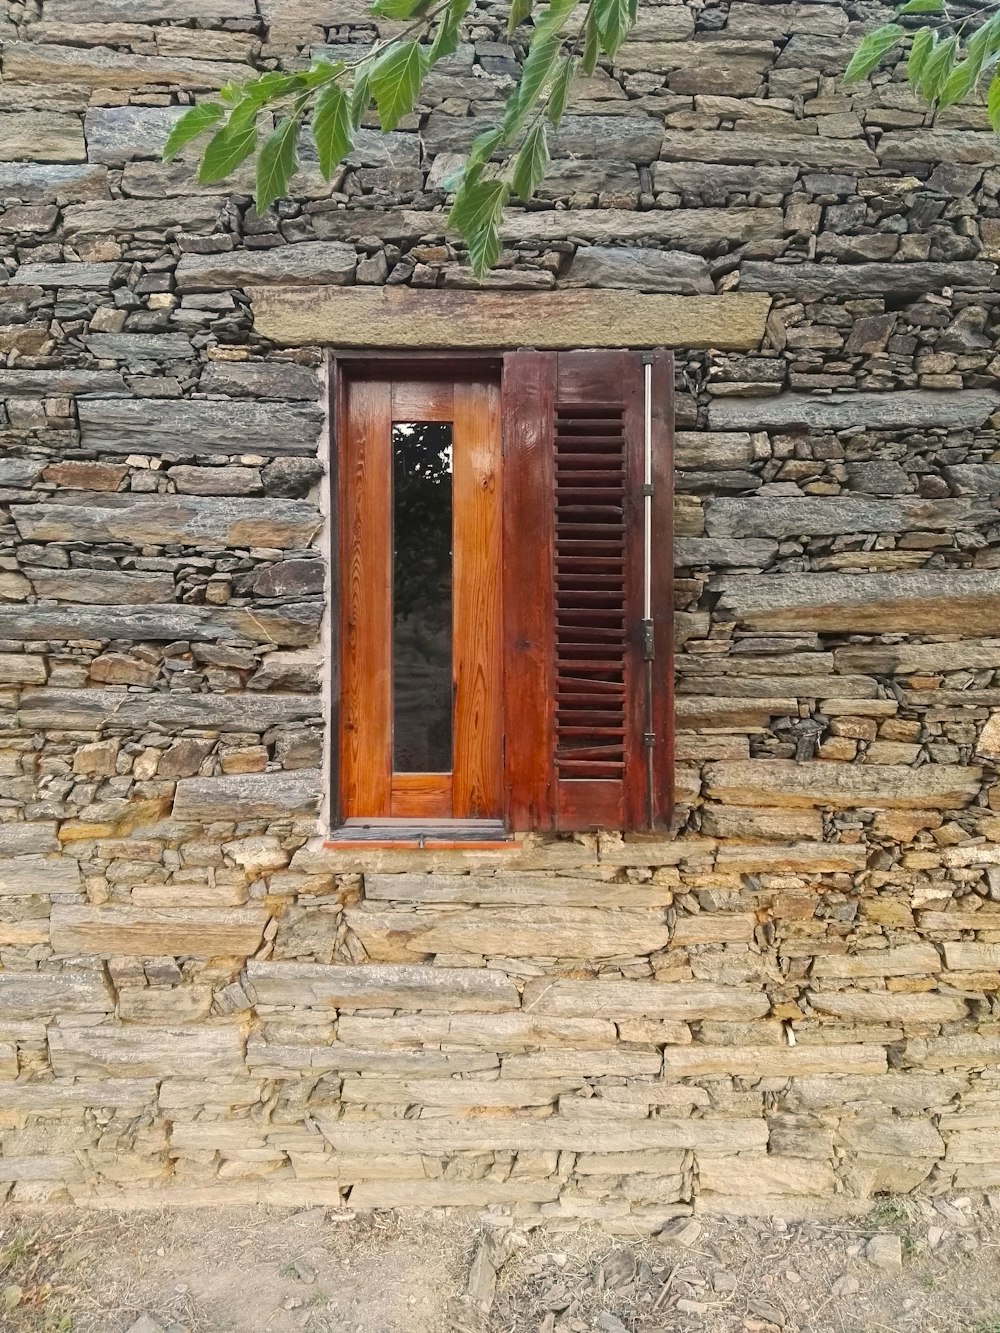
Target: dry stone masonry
<point>790,1006</point>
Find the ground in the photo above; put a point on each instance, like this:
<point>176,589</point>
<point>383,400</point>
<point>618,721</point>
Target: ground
<point>930,1266</point>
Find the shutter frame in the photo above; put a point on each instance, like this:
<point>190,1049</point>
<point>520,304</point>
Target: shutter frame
<point>568,416</point>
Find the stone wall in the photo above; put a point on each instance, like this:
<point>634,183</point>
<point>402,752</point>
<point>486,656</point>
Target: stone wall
<point>793,1004</point>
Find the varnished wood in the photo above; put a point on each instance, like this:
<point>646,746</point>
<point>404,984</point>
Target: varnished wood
<point>423,400</point>
<point>477,504</point>
<point>663,587</point>
<point>421,795</point>
<point>365,467</point>
<point>528,536</point>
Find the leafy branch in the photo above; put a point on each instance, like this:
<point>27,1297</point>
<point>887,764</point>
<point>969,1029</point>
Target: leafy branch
<point>331,100</point>
<point>948,61</point>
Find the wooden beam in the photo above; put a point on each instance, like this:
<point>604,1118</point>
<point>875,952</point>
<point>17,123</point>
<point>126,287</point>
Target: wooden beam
<point>404,317</point>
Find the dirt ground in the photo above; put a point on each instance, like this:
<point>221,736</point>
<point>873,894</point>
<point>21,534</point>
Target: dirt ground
<point>925,1266</point>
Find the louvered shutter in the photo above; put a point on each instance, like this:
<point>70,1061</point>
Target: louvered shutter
<point>580,699</point>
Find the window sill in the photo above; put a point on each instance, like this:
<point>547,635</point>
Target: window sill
<point>417,835</point>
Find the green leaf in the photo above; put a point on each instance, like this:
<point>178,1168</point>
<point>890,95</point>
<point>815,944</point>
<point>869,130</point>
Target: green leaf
<point>923,44</point>
<point>276,164</point>
<point>519,11</point>
<point>231,93</point>
<point>993,102</point>
<point>530,163</point>
<point>872,49</point>
<point>984,41</point>
<point>559,91</point>
<point>449,31</point>
<point>360,98</point>
<point>937,67</point>
<point>476,213</point>
<point>591,47</point>
<point>545,46</point>
<point>230,145</point>
<point>194,122</point>
<point>921,7</point>
<point>400,9</point>
<point>484,146</point>
<point>612,18</point>
<point>958,84</point>
<point>332,131</point>
<point>395,80</point>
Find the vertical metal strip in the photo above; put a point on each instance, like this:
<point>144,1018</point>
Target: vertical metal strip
<point>647,578</point>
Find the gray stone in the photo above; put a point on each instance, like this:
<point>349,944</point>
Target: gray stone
<point>249,796</point>
<point>806,150</point>
<point>20,472</point>
<point>310,262</point>
<point>143,1051</point>
<point>123,217</point>
<point>28,876</point>
<point>157,426</point>
<point>642,269</point>
<point>91,277</point>
<point>974,478</point>
<point>405,986</point>
<point>146,11</point>
<point>105,587</point>
<point>291,578</point>
<point>769,516</point>
<point>812,280</point>
<point>719,553</point>
<point>38,995</point>
<point>713,179</point>
<point>697,229</point>
<point>40,136</point>
<point>32,183</point>
<point>617,138</point>
<point>260,379</point>
<point>842,786</point>
<point>55,383</point>
<point>951,410</point>
<point>225,480</point>
<point>119,134</point>
<point>915,602</point>
<point>683,1001</point>
<point>45,709</point>
<point>19,839</point>
<point>939,145</point>
<point>163,520</point>
<point>134,347</point>
<point>292,626</point>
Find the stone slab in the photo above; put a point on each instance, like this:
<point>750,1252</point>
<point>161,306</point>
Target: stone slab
<point>952,409</point>
<point>403,317</point>
<point>809,280</point>
<point>39,183</point>
<point>41,709</point>
<point>310,263</point>
<point>30,876</point>
<point>916,602</point>
<point>101,67</point>
<point>97,277</point>
<point>40,136</point>
<point>38,995</point>
<point>757,1062</point>
<point>378,986</point>
<point>642,999</point>
<point>806,150</point>
<point>515,891</point>
<point>774,516</point>
<point>842,786</point>
<point>146,1052</point>
<point>159,426</point>
<point>165,519</point>
<point>294,625</point>
<point>246,796</point>
<point>146,932</point>
<point>639,269</point>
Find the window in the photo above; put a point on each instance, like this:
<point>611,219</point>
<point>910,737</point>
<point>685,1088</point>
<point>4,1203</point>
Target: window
<point>502,659</point>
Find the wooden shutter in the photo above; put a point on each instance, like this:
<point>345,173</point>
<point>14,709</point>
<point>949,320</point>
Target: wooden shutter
<point>575,658</point>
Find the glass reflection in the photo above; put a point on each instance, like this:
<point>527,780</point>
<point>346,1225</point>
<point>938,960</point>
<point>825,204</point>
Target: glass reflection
<point>421,597</point>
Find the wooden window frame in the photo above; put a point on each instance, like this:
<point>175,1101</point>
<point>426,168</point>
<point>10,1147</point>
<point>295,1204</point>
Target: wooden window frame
<point>517,811</point>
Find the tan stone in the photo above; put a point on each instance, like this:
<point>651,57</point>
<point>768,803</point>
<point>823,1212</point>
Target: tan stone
<point>451,1193</point>
<point>800,858</point>
<point>654,1032</point>
<point>767,1176</point>
<point>100,67</point>
<point>408,317</point>
<point>496,1032</point>
<point>682,1001</point>
<point>753,1062</point>
<point>714,928</point>
<point>906,960</point>
<point>118,669</point>
<point>515,891</point>
<point>72,474</point>
<point>755,825</point>
<point>892,1137</point>
<point>458,1094</point>
<point>842,786</point>
<point>145,1052</point>
<point>27,135</point>
<point>988,744</point>
<point>189,932</point>
<point>887,1007</point>
<point>969,957</point>
<point>440,989</point>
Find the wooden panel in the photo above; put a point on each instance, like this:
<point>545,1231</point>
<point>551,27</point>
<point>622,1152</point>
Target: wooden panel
<point>528,536</point>
<point>663,587</point>
<point>478,520</point>
<point>405,317</point>
<point>421,795</point>
<point>365,604</point>
<point>423,400</point>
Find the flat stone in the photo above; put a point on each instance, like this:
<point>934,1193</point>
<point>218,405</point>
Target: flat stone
<point>293,625</point>
<point>968,957</point>
<point>18,472</point>
<point>496,1032</point>
<point>905,960</point>
<point>616,138</point>
<point>642,999</point>
<point>804,150</point>
<point>974,478</point>
<point>190,520</point>
<point>775,516</point>
<point>56,383</point>
<point>376,986</point>
<point>713,179</point>
<point>97,277</point>
<point>223,480</point>
<point>768,824</point>
<point>939,145</point>
<point>34,836</point>
<point>105,587</point>
<point>146,932</point>
<point>37,995</point>
<point>518,890</point>
<point>248,795</point>
<point>310,262</point>
<point>952,410</point>
<point>407,317</point>
<point>291,578</point>
<point>39,136</point>
<point>720,553</point>
<point>156,426</point>
<point>842,786</point>
<point>757,1062</point>
<point>119,134</point>
<point>639,269</point>
<point>916,602</point>
<point>145,1052</point>
<point>811,280</point>
<point>888,1006</point>
<point>34,183</point>
<point>30,876</point>
<point>774,1175</point>
<point>261,379</point>
<point>135,347</point>
<point>101,67</point>
<point>124,217</point>
<point>697,229</point>
<point>147,11</point>
<point>43,709</point>
<point>79,475</point>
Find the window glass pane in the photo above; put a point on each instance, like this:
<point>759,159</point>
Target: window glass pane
<point>421,597</point>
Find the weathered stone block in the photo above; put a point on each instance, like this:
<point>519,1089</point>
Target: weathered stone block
<point>843,786</point>
<point>965,956</point>
<point>805,150</point>
<point>642,999</point>
<point>30,875</point>
<point>292,625</point>
<point>496,1032</point>
<point>888,1006</point>
<point>92,709</point>
<point>769,1176</point>
<point>101,67</point>
<point>190,520</point>
<point>156,426</point>
<point>42,184</point>
<point>515,891</point>
<point>248,796</point>
<point>404,317</point>
<point>821,516</point>
<point>145,1052</point>
<point>639,269</point>
<point>42,136</point>
<point>40,995</point>
<point>120,134</point>
<point>755,1062</point>
<point>878,411</point>
<point>904,960</point>
<point>311,262</point>
<point>144,932</point>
